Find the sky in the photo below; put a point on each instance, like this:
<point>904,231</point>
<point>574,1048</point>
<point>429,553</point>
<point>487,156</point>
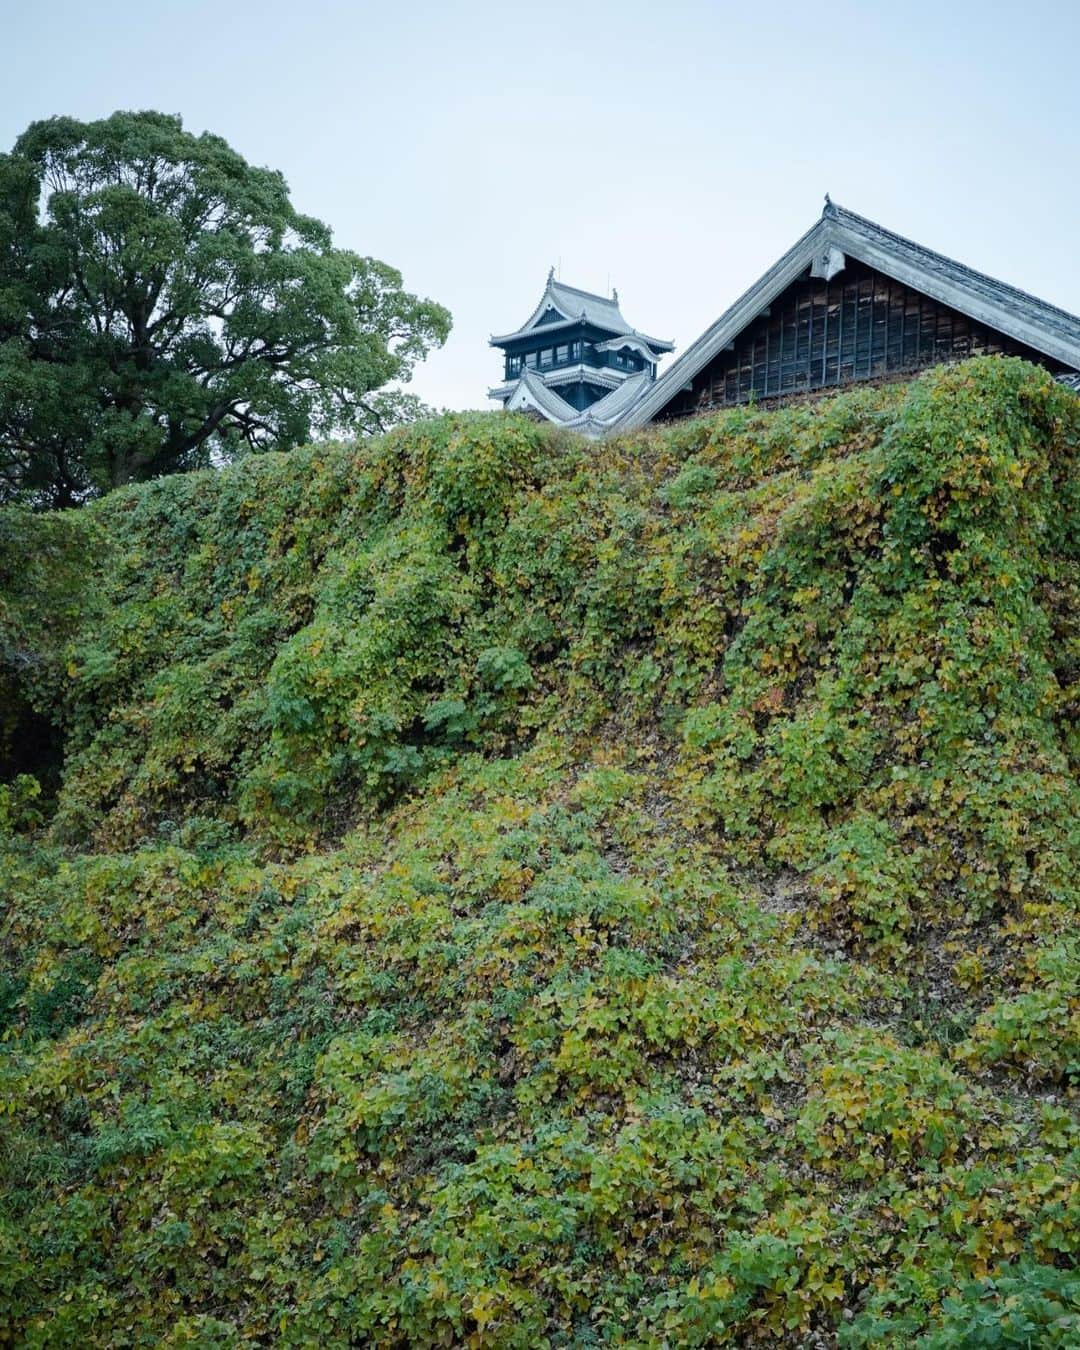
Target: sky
<point>673,150</point>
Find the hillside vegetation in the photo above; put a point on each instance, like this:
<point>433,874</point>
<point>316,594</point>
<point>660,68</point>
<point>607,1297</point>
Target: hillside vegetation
<point>480,887</point>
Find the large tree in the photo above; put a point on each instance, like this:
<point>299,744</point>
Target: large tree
<point>163,306</point>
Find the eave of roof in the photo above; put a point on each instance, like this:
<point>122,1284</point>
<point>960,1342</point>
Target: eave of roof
<point>596,419</point>
<point>632,340</point>
<point>606,377</point>
<point>1039,325</point>
<point>539,330</point>
<point>657,345</point>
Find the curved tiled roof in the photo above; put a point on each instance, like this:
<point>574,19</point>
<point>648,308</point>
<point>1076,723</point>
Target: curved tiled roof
<point>602,376</point>
<point>577,306</point>
<point>608,408</point>
<point>595,420</point>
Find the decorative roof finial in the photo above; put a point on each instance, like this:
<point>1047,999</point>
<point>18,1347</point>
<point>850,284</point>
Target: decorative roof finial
<point>615,295</point>
<point>551,275</point>
<point>828,208</point>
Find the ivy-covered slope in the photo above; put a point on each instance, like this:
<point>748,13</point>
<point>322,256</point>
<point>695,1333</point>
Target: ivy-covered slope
<point>482,888</point>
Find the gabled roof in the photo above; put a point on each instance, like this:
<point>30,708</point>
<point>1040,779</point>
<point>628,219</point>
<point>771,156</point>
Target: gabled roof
<point>576,306</point>
<point>532,391</point>
<point>840,233</point>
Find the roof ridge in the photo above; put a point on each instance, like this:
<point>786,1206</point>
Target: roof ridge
<point>592,295</point>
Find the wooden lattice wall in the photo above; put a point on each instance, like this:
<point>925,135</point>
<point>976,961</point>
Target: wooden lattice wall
<point>823,334</point>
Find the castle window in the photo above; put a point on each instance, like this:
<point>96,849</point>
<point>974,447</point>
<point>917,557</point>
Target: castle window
<point>530,360</point>
<point>545,357</point>
<point>562,354</point>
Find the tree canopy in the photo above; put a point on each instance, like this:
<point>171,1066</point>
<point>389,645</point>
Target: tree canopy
<point>163,306</point>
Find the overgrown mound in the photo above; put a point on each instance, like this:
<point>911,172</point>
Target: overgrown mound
<point>478,887</point>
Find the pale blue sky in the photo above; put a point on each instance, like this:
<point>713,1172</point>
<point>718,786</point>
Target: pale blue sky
<point>673,150</point>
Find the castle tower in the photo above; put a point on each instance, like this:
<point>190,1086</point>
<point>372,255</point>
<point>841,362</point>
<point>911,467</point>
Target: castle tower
<point>576,361</point>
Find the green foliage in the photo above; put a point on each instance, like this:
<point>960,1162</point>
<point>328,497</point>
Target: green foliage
<point>164,306</point>
<point>1029,1305</point>
<point>17,812</point>
<point>502,891</point>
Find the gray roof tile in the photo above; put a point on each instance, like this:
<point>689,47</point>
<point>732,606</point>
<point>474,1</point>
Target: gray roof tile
<point>576,305</point>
